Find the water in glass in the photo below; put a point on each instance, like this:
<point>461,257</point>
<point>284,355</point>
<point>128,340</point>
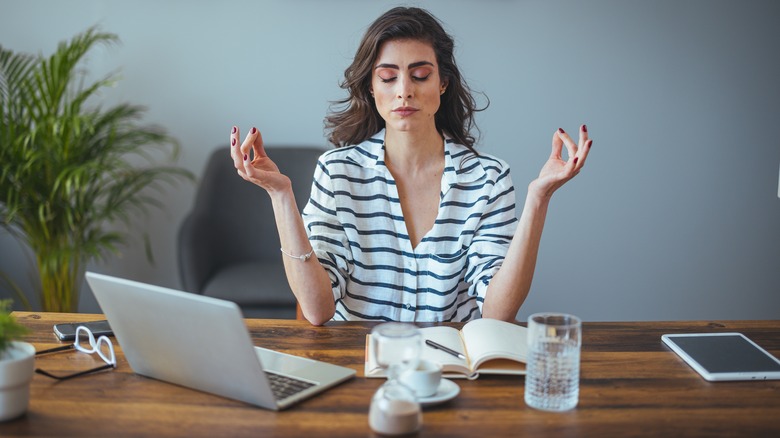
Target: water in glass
<point>553,374</point>
<point>553,380</point>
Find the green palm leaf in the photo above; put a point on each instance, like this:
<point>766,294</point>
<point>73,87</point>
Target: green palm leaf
<point>70,168</point>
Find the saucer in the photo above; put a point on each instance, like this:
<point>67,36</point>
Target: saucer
<point>447,391</point>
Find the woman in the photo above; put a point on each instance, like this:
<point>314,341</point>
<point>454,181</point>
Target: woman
<point>406,221</point>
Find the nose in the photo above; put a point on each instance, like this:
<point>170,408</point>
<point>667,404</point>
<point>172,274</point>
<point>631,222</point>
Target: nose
<point>405,87</point>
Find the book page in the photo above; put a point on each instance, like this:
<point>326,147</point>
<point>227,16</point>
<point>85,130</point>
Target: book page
<point>372,368</point>
<point>447,336</point>
<point>488,339</point>
<point>450,338</point>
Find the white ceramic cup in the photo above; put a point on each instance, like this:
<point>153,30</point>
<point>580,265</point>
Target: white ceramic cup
<point>423,380</point>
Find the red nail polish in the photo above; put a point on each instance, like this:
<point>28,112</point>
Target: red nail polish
<point>234,130</point>
<point>584,128</point>
<point>245,157</point>
<point>233,142</point>
<point>254,130</point>
<point>561,130</point>
<point>575,160</point>
<point>590,143</point>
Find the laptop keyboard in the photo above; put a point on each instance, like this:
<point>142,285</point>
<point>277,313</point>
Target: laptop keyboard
<point>284,386</point>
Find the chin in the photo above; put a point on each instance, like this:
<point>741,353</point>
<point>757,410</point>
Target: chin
<point>403,125</point>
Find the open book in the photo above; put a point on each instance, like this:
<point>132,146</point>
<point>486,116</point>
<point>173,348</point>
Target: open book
<point>490,346</point>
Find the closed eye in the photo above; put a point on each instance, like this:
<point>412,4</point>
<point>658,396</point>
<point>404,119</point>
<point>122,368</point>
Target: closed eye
<point>416,78</point>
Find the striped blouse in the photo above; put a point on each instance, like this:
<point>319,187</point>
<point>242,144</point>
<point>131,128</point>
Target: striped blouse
<point>357,229</point>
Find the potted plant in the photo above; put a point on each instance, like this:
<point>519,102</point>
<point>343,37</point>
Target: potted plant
<point>69,167</point>
<point>17,362</point>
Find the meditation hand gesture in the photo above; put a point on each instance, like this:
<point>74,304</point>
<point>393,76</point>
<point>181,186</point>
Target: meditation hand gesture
<point>556,172</point>
<point>253,164</point>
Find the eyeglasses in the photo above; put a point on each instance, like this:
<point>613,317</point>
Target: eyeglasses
<point>86,343</point>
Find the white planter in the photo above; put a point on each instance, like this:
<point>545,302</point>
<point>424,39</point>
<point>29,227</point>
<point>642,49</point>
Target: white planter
<point>16,370</point>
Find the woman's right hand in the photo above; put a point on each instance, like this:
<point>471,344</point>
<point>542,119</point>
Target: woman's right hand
<point>253,164</point>
<point>308,279</point>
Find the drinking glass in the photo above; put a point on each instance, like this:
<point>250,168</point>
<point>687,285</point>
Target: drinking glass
<point>552,382</point>
<point>394,408</point>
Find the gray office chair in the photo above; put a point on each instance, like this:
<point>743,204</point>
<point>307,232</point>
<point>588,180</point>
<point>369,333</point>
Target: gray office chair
<point>228,244</point>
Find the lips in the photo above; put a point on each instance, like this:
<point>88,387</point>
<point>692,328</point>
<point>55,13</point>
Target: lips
<point>405,111</point>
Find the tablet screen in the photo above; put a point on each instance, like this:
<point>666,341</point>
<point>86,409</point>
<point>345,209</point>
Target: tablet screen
<point>728,356</point>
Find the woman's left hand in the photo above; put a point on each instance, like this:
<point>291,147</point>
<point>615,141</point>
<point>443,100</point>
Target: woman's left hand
<point>556,172</point>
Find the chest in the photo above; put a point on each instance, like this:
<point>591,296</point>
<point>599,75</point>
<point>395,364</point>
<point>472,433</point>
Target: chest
<point>419,199</point>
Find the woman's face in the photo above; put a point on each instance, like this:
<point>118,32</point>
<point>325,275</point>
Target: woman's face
<point>406,85</point>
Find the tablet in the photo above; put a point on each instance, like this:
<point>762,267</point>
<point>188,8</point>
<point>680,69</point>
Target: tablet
<point>724,356</point>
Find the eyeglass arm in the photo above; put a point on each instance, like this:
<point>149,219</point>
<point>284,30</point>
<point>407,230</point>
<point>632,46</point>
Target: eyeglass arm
<point>55,349</point>
<point>70,376</point>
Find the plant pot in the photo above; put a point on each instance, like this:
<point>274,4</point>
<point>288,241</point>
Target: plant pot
<point>17,364</point>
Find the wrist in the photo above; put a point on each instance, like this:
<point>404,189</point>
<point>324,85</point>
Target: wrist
<point>536,197</point>
<point>281,196</point>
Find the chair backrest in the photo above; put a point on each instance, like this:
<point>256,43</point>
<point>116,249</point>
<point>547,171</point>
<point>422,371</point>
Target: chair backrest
<point>232,220</point>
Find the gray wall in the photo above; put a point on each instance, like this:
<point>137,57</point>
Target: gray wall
<point>675,216</point>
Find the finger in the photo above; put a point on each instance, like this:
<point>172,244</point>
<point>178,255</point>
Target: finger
<point>235,152</point>
<point>252,149</point>
<point>583,154</point>
<point>257,145</point>
<point>583,146</point>
<point>571,147</point>
<point>248,145</point>
<point>571,166</point>
<point>557,147</point>
<point>583,136</point>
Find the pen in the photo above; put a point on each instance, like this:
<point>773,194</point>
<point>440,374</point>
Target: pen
<point>432,344</point>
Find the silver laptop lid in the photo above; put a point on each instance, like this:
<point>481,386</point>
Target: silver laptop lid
<point>183,338</point>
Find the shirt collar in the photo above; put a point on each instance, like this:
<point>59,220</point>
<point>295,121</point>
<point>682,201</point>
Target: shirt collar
<point>461,165</point>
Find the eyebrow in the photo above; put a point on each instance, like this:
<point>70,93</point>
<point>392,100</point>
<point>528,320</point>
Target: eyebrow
<point>412,65</point>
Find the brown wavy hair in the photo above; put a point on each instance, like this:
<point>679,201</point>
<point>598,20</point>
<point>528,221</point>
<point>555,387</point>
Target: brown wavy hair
<point>355,119</point>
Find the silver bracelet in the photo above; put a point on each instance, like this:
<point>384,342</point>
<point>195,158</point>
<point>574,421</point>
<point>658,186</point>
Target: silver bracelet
<point>302,258</point>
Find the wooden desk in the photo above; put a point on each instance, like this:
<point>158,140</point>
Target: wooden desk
<point>632,385</point>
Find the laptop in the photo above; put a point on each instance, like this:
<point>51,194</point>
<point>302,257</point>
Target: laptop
<point>202,343</point>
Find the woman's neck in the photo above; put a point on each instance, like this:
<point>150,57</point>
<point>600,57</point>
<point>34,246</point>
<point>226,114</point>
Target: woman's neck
<point>413,151</point>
